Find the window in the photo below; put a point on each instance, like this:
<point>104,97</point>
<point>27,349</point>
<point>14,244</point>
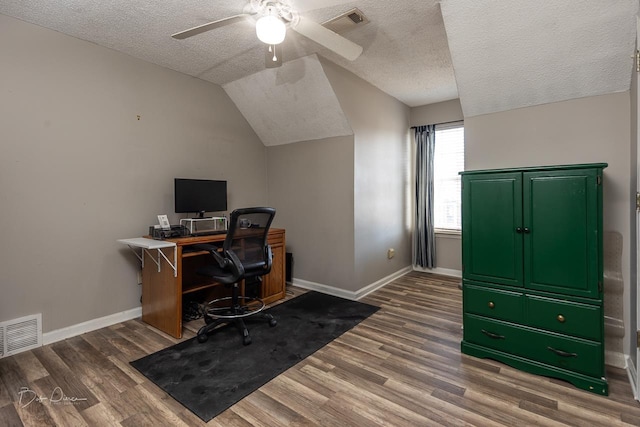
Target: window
<point>448,161</point>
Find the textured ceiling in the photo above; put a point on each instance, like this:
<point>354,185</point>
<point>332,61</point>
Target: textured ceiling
<point>307,107</point>
<point>405,45</point>
<point>519,53</point>
<point>506,54</point>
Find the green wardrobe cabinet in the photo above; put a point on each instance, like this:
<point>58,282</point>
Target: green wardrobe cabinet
<point>532,270</point>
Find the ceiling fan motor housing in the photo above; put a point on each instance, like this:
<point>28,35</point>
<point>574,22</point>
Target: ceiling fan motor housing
<point>282,9</point>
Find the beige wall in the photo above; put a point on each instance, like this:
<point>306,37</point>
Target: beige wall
<point>382,192</point>
<point>440,112</point>
<point>449,254</point>
<point>311,187</point>
<point>586,130</point>
<point>79,170</point>
<point>344,200</point>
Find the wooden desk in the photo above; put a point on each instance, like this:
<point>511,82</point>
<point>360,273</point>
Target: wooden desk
<point>162,291</point>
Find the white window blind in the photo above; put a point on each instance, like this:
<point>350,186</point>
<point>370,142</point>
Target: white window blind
<point>448,161</point>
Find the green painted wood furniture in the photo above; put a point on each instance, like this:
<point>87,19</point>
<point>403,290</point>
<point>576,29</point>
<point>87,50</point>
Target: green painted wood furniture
<point>532,270</point>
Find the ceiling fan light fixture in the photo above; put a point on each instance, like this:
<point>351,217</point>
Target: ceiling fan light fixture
<point>270,30</point>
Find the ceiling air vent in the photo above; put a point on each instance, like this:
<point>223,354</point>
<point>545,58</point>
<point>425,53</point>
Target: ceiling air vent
<point>346,21</point>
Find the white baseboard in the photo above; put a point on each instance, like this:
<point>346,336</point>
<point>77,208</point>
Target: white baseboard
<point>438,270</point>
<point>352,295</point>
<point>380,283</point>
<point>90,325</point>
<point>633,376</point>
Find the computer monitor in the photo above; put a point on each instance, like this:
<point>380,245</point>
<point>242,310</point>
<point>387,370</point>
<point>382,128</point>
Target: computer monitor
<point>199,196</point>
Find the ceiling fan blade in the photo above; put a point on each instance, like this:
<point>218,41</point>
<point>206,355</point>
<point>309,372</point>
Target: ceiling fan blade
<point>209,26</point>
<point>329,39</point>
<point>307,5</point>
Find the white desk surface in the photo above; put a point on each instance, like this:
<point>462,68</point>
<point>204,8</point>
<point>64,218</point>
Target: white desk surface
<point>143,242</point>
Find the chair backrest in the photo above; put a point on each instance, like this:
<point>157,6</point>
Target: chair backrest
<point>247,237</point>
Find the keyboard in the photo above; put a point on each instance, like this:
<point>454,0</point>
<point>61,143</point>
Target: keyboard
<point>207,233</point>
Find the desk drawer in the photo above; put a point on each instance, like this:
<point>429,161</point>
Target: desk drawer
<point>494,303</point>
<point>566,317</point>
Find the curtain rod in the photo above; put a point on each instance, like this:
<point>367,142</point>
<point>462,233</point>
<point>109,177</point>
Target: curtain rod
<point>442,123</point>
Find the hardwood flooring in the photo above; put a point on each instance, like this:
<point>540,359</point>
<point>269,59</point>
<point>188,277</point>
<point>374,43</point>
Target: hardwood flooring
<point>400,367</point>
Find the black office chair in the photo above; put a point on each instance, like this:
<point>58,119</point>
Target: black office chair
<point>246,256</point>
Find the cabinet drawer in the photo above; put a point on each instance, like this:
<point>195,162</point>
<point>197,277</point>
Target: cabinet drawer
<point>573,354</point>
<point>494,303</point>
<point>494,334</point>
<point>567,317</point>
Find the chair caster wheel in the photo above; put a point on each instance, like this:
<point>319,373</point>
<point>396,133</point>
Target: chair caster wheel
<point>246,340</point>
<point>272,322</point>
<point>203,338</point>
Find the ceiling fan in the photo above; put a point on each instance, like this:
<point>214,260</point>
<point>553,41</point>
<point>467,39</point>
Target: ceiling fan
<point>274,16</point>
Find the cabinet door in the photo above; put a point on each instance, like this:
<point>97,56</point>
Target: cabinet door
<point>491,214</point>
<point>561,219</point>
<point>273,284</point>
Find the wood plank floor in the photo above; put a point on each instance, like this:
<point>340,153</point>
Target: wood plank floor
<point>400,367</point>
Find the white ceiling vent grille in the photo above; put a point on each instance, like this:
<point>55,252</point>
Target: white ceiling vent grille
<point>20,334</point>
<point>346,21</point>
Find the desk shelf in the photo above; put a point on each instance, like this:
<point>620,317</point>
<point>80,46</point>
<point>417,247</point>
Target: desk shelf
<point>195,287</point>
<point>195,253</point>
<point>146,245</point>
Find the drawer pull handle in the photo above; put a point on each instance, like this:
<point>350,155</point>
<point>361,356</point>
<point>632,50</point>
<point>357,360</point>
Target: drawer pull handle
<point>492,335</point>
<point>562,353</point>
<point>491,304</point>
<point>561,318</point>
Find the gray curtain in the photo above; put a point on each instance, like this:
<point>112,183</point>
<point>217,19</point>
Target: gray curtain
<point>425,246</point>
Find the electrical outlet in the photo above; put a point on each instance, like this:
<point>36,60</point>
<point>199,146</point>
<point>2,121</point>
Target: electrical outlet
<point>391,253</point>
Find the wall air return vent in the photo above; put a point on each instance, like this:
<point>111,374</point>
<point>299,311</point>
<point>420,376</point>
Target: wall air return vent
<point>20,334</point>
<point>346,21</point>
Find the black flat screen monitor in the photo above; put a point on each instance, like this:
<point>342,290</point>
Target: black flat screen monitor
<point>200,195</point>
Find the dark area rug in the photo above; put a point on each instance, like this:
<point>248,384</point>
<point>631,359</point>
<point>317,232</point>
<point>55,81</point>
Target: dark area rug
<point>209,377</point>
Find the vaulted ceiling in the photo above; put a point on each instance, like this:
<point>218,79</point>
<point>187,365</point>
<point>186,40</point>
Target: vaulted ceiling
<point>513,54</point>
<point>493,55</point>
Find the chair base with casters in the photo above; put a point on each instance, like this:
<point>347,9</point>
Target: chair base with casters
<point>241,307</point>
<point>245,254</point>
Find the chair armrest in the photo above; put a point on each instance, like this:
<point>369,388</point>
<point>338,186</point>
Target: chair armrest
<point>268,258</point>
<point>213,250</point>
<point>233,262</point>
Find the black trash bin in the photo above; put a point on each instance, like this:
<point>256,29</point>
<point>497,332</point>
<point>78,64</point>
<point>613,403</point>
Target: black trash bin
<point>288,268</point>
